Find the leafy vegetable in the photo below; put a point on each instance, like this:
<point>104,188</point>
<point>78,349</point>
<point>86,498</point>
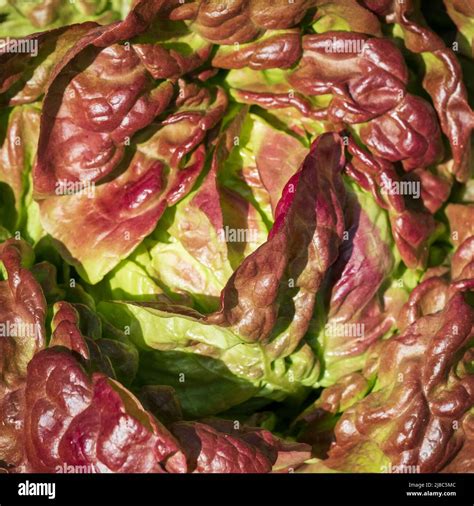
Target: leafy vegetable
<point>236,237</point>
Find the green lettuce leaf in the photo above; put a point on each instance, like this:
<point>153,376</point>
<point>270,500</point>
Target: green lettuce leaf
<point>209,366</point>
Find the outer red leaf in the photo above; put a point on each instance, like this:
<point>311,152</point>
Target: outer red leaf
<point>74,420</point>
<point>217,446</point>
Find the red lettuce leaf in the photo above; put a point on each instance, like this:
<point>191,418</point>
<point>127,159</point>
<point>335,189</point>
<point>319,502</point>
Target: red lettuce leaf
<point>120,212</point>
<point>279,50</point>
<point>22,317</point>
<point>415,414</point>
<point>219,446</point>
<point>302,245</point>
<point>442,79</point>
<point>74,420</point>
<point>412,227</point>
<point>363,307</point>
<point>240,21</point>
<point>24,78</point>
<point>22,313</point>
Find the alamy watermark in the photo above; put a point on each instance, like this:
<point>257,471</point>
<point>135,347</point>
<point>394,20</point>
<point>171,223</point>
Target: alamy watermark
<point>400,469</point>
<point>335,329</point>
<point>64,187</point>
<point>243,235</point>
<point>75,469</point>
<point>19,329</point>
<point>32,488</point>
<point>336,45</point>
<point>391,187</point>
<point>20,46</point>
